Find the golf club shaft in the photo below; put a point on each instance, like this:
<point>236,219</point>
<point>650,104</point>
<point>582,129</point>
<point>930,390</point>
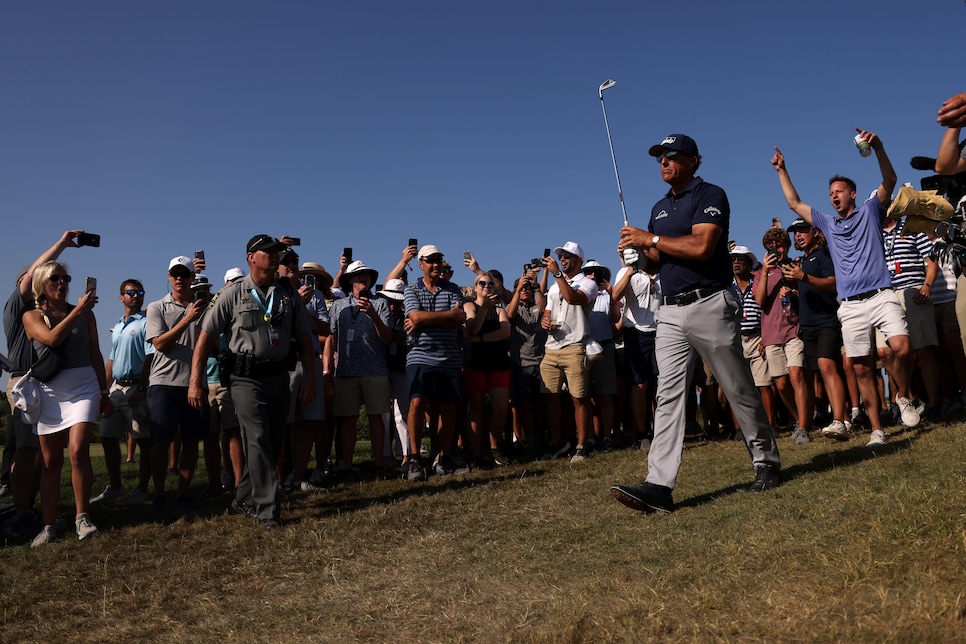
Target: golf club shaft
<point>620,192</point>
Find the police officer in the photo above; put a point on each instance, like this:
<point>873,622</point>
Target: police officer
<point>266,325</point>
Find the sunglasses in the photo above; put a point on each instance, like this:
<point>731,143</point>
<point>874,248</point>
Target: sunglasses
<point>432,259</point>
<point>669,155</point>
<point>180,275</point>
<point>54,278</point>
<point>526,288</point>
<point>486,284</point>
<point>566,255</point>
<point>289,262</point>
<point>134,293</point>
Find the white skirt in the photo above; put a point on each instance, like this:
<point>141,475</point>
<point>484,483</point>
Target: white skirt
<point>72,397</point>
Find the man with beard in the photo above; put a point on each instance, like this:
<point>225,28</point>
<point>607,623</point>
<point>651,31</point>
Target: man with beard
<point>567,321</point>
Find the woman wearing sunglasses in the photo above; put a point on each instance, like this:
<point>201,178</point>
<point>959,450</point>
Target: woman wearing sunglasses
<point>70,400</point>
<point>487,369</point>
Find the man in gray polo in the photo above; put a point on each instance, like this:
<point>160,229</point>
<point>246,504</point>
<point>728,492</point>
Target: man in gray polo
<point>265,322</point>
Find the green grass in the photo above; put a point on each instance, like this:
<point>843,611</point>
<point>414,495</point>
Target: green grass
<point>857,545</point>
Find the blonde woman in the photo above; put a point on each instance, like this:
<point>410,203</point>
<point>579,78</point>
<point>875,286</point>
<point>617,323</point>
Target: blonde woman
<point>487,368</point>
<point>70,401</point>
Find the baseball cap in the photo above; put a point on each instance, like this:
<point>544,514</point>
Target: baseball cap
<point>679,142</point>
<point>287,255</point>
<point>394,289</point>
<point>233,274</point>
<point>182,261</point>
<point>266,243</point>
<point>744,250</point>
<point>799,223</point>
<point>429,250</point>
<point>570,247</point>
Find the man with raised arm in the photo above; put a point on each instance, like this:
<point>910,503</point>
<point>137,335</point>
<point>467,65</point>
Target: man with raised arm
<point>854,236</point>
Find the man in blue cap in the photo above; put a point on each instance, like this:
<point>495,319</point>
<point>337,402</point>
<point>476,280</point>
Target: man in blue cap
<point>687,238</point>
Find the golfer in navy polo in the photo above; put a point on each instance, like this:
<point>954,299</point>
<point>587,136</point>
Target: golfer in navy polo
<point>687,238</point>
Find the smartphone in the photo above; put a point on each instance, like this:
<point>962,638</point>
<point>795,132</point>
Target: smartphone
<point>91,284</point>
<point>310,281</point>
<point>467,256</point>
<point>88,239</point>
<point>347,252</point>
<point>294,241</point>
<point>366,293</point>
<point>546,252</point>
<point>537,262</point>
<point>412,241</point>
<point>200,254</point>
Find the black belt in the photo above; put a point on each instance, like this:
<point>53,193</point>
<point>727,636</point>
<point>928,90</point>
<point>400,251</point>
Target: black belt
<point>127,382</point>
<point>18,374</point>
<point>690,297</point>
<point>864,296</point>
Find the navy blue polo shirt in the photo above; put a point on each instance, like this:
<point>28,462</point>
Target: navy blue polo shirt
<point>817,309</point>
<point>674,215</point>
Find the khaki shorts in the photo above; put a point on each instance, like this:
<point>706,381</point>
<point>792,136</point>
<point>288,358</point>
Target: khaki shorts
<point>565,365</point>
<point>751,348</point>
<point>353,392</point>
<point>920,318</point>
<point>222,408</point>
<point>782,356</point>
<point>126,418</point>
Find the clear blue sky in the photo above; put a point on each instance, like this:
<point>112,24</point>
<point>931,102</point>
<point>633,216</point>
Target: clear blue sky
<point>172,126</point>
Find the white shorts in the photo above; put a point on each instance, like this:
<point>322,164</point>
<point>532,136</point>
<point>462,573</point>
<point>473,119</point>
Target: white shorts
<point>858,317</point>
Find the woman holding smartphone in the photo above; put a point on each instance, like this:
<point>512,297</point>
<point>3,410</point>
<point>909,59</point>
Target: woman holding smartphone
<point>72,400</point>
<point>487,370</point>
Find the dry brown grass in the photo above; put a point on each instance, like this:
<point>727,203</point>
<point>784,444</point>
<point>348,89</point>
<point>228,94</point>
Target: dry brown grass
<point>855,546</point>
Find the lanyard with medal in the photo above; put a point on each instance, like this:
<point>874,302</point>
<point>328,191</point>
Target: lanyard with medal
<point>266,308</point>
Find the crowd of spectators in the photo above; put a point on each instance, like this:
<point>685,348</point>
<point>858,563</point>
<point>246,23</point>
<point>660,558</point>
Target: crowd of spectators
<point>563,365</point>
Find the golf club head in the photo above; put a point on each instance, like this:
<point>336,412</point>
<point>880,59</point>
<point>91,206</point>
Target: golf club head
<point>607,84</point>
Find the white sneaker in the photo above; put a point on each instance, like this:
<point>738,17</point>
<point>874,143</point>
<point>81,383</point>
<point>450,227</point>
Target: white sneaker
<point>46,536</point>
<point>907,413</point>
<point>110,494</point>
<point>308,486</point>
<point>878,438</point>
<point>800,434</point>
<point>836,429</point>
<point>84,527</point>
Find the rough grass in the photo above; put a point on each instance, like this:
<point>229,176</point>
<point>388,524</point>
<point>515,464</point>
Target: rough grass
<point>857,545</point>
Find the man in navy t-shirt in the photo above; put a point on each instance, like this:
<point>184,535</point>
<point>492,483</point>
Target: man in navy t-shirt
<point>688,238</point>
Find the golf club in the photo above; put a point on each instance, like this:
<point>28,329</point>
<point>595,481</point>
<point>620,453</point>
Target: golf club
<point>607,84</point>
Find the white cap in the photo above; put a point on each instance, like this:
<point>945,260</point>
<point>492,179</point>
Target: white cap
<point>26,398</point>
<point>427,251</point>
<point>744,250</point>
<point>394,289</point>
<point>181,260</point>
<point>233,274</point>
<point>570,247</point>
<point>201,281</point>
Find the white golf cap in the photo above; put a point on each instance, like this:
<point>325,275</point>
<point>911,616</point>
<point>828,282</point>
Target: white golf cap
<point>570,247</point>
<point>181,260</point>
<point>233,274</point>
<point>744,250</point>
<point>428,251</point>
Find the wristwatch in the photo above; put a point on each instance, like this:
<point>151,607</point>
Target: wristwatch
<point>558,274</point>
<point>654,240</point>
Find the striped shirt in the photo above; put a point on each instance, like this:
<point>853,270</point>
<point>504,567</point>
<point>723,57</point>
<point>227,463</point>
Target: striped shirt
<point>905,255</point>
<point>750,310</point>
<point>431,346</point>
